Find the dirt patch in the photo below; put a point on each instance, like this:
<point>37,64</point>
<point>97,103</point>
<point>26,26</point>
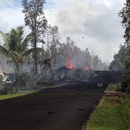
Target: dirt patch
<point>101,102</point>
<point>63,108</point>
<point>116,101</point>
<point>119,94</point>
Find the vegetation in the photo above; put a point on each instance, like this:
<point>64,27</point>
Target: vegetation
<point>125,111</point>
<point>106,117</point>
<point>35,19</point>
<point>16,47</point>
<point>112,87</point>
<point>125,14</point>
<point>119,59</point>
<point>58,52</point>
<point>113,113</point>
<point>4,97</point>
<point>43,66</point>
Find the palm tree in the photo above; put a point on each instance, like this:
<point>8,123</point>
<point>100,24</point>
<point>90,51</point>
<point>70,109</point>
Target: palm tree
<point>45,64</point>
<point>16,47</point>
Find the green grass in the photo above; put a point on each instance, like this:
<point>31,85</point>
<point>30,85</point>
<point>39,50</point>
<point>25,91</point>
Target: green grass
<point>125,110</point>
<point>109,116</point>
<point>106,117</point>
<point>20,93</point>
<point>111,87</point>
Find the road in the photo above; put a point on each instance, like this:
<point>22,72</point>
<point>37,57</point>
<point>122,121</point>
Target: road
<point>63,108</point>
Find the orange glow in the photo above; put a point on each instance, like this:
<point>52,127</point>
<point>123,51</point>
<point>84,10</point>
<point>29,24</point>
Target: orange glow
<point>69,63</point>
<point>86,68</point>
<point>5,71</point>
<point>74,68</point>
<point>68,80</point>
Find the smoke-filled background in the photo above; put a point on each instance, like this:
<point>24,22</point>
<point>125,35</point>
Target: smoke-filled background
<point>90,24</point>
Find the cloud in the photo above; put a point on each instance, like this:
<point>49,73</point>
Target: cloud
<point>13,17</point>
<point>92,24</point>
<point>96,21</point>
<point>7,3</point>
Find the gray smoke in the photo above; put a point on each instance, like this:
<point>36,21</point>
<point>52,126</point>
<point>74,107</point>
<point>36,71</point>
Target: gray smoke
<point>92,24</point>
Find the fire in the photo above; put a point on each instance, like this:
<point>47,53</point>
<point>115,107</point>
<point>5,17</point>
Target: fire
<point>5,71</point>
<point>86,68</point>
<point>70,64</point>
<point>74,68</point>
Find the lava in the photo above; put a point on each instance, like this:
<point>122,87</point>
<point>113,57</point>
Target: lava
<point>68,80</point>
<point>5,71</point>
<point>86,68</point>
<point>70,64</point>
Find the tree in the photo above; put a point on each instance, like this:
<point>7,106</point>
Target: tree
<point>35,19</point>
<point>119,59</point>
<point>16,47</point>
<point>125,14</point>
<point>45,65</point>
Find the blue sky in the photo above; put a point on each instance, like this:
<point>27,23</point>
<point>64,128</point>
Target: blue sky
<point>92,24</point>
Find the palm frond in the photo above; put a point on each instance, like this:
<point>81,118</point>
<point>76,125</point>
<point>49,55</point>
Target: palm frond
<point>5,36</point>
<point>25,42</point>
<point>3,50</point>
<point>15,57</point>
<point>13,54</point>
<point>46,62</point>
<point>16,47</point>
<point>20,28</point>
<point>13,44</point>
<point>20,33</point>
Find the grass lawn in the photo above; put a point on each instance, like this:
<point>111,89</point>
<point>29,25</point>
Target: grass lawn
<point>113,113</point>
<point>20,93</point>
<point>111,88</point>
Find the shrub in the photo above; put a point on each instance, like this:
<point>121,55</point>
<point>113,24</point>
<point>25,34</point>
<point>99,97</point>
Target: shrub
<point>7,90</point>
<point>125,86</point>
<point>27,80</point>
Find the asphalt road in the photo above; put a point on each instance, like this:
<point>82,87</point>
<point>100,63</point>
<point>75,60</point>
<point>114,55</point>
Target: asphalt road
<point>63,108</point>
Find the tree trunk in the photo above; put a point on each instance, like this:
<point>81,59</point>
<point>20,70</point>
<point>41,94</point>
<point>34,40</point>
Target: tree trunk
<point>35,45</point>
<point>35,55</point>
<point>17,77</point>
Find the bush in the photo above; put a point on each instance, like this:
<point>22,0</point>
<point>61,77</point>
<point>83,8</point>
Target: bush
<point>128,88</point>
<point>27,80</point>
<point>7,90</point>
<point>125,86</point>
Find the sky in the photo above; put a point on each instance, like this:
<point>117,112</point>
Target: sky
<point>92,24</point>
